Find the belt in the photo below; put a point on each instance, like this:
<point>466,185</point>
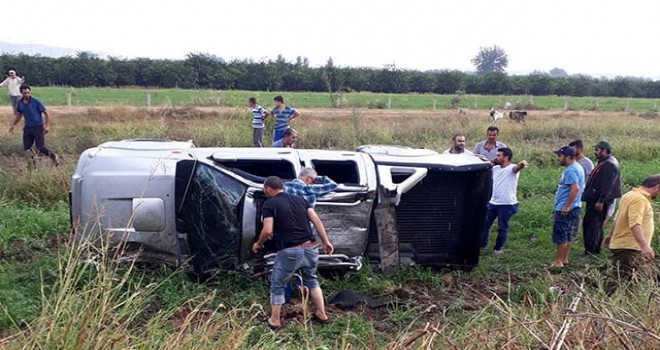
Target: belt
<point>305,245</point>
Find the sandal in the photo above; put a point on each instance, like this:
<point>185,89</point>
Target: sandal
<point>273,327</point>
<point>317,319</point>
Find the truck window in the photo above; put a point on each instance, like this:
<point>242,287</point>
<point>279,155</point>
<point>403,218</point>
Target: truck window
<point>208,211</point>
<point>262,168</point>
<point>340,171</point>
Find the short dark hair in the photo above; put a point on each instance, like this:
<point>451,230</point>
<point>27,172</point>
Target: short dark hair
<point>288,132</point>
<point>577,143</point>
<point>24,87</point>
<point>457,135</point>
<point>279,98</point>
<point>651,181</point>
<point>274,183</point>
<point>493,128</point>
<point>252,100</point>
<point>507,152</point>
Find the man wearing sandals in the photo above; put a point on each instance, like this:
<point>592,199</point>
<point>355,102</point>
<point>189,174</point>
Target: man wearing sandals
<point>567,204</point>
<point>286,220</point>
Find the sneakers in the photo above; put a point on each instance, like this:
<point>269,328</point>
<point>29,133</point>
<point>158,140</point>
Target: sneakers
<point>498,252</point>
<point>56,160</point>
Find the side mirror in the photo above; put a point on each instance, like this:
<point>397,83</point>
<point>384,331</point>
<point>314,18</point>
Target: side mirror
<point>149,214</point>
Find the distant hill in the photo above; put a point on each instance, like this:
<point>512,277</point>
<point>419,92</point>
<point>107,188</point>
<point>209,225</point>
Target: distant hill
<point>38,49</point>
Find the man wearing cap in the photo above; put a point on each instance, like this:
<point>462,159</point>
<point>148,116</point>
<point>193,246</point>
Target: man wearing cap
<point>567,204</point>
<point>13,83</point>
<point>602,188</point>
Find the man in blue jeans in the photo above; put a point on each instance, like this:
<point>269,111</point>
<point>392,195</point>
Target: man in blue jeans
<point>503,202</point>
<point>286,220</point>
<point>567,204</point>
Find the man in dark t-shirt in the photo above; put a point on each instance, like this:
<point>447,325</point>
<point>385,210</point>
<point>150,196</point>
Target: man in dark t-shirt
<point>30,109</point>
<point>286,220</point>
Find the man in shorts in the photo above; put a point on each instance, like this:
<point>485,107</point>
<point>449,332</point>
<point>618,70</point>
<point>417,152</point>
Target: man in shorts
<point>13,83</point>
<point>286,220</point>
<point>567,204</point>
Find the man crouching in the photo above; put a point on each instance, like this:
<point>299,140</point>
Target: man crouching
<point>286,220</point>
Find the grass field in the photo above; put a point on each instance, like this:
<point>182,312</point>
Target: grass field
<point>53,297</point>
<point>57,96</point>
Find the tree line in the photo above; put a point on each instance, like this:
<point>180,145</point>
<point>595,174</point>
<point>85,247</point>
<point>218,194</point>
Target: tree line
<point>204,71</point>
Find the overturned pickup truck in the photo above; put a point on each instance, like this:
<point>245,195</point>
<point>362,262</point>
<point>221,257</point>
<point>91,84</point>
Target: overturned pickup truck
<point>170,202</point>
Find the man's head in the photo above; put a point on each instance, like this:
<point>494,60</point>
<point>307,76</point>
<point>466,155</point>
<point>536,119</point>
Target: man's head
<point>492,133</point>
<point>602,150</point>
<point>307,175</point>
<point>458,142</point>
<point>503,157</point>
<point>565,155</point>
<point>578,147</point>
<point>279,101</point>
<point>252,101</point>
<point>272,186</point>
<point>12,73</point>
<point>25,91</point>
<point>289,137</point>
<point>652,185</point>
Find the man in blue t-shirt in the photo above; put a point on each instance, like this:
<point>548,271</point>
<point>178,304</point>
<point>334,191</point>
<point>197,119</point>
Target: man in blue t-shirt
<point>567,204</point>
<point>30,109</point>
<point>283,115</point>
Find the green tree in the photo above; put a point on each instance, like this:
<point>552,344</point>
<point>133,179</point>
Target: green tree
<point>490,59</point>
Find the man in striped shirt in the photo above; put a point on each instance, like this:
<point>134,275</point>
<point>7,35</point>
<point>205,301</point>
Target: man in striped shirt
<point>258,116</point>
<point>283,115</point>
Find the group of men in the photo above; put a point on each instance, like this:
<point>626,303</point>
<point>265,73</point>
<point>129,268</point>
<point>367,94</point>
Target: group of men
<point>283,134</point>
<point>36,117</point>
<point>598,187</point>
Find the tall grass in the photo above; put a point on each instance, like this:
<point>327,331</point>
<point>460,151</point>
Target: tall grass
<point>97,302</point>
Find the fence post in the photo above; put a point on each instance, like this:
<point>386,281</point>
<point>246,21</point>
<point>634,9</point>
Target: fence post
<point>389,102</point>
<point>627,105</point>
<point>476,104</point>
<point>565,103</point>
<point>655,106</point>
<point>435,101</point>
<point>148,97</point>
<point>68,97</point>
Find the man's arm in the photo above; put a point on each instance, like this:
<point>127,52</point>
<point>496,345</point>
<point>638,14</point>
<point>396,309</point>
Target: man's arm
<point>575,189</point>
<point>17,118</point>
<point>323,185</point>
<point>520,166</point>
<point>266,234</point>
<point>609,172</point>
<point>647,251</point>
<point>320,229</point>
<point>295,115</point>
<point>46,121</point>
<point>5,82</point>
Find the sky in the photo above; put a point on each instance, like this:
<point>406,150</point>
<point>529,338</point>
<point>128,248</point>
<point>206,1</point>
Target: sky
<point>600,38</point>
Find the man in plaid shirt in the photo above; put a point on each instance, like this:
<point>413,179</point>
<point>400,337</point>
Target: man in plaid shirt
<point>310,186</point>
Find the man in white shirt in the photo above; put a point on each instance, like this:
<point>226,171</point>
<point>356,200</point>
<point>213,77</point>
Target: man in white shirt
<point>13,83</point>
<point>458,145</point>
<point>503,202</point>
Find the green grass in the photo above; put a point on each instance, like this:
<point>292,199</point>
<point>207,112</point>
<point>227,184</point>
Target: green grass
<point>57,96</point>
<point>148,308</point>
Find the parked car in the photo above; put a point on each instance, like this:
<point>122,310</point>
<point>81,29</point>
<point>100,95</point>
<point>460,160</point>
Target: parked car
<point>173,203</point>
